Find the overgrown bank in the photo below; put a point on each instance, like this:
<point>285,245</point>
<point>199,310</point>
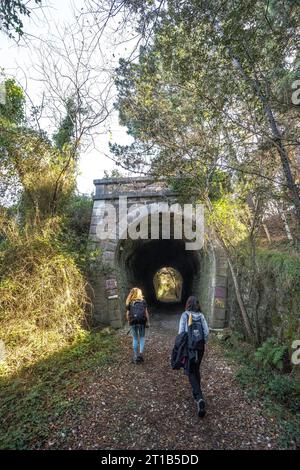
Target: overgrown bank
<point>44,273</point>
<point>270,285</point>
<point>258,375</point>
<point>44,225</point>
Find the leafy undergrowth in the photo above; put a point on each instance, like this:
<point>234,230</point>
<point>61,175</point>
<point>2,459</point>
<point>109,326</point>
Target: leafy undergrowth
<point>279,393</point>
<point>43,296</point>
<point>36,401</point>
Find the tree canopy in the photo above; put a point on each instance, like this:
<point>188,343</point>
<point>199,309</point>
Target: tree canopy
<point>212,90</point>
<point>12,13</point>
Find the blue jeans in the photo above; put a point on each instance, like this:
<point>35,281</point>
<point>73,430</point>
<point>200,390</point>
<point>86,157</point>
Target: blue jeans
<point>138,333</point>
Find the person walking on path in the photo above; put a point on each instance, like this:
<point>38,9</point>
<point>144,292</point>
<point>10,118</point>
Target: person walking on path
<point>193,323</point>
<point>137,316</point>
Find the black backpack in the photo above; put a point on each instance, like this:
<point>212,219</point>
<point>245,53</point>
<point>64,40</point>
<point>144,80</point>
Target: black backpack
<point>137,312</point>
<point>195,335</point>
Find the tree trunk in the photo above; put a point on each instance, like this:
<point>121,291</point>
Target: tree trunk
<point>265,227</point>
<point>286,225</point>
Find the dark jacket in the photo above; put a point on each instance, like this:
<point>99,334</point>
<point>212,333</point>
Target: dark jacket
<point>182,356</point>
<point>180,351</point>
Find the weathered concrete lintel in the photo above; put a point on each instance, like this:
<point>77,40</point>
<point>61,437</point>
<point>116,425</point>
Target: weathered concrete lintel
<point>135,195</point>
<point>128,180</point>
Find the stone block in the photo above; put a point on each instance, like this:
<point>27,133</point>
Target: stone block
<point>218,324</point>
<point>96,219</point>
<point>220,303</point>
<point>93,229</point>
<point>222,271</point>
<point>98,204</point>
<point>108,256</point>
<point>221,281</point>
<point>221,263</point>
<point>219,314</point>
<point>100,306</point>
<point>109,245</point>
<point>116,323</point>
<point>220,292</point>
<point>115,316</point>
<point>93,237</point>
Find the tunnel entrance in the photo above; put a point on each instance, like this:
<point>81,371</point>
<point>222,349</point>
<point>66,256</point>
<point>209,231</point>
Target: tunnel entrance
<point>135,261</point>
<point>168,285</point>
<point>142,261</point>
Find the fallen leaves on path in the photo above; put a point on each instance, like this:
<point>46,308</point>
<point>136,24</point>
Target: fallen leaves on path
<point>150,406</point>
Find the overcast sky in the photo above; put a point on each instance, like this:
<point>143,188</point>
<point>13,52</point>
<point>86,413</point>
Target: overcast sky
<point>17,61</point>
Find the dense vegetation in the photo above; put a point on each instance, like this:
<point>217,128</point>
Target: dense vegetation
<point>260,373</point>
<point>39,395</point>
<point>208,101</point>
<point>44,224</point>
<point>209,104</point>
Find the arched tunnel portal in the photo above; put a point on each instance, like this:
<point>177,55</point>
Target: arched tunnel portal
<point>128,262</point>
<point>140,260</point>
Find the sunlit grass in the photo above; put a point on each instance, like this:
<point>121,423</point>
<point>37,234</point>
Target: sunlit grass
<point>35,401</point>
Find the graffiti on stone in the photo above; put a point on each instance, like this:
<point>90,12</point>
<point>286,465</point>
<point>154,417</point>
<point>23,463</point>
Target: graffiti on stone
<point>110,284</point>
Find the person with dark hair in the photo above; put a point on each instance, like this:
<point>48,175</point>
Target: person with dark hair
<point>193,323</point>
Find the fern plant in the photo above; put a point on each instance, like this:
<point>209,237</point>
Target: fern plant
<point>271,354</point>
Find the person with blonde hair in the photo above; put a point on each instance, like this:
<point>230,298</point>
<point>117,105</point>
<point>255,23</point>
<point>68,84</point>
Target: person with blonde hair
<point>137,316</point>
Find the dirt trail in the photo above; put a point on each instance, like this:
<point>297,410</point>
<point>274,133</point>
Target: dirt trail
<point>150,406</point>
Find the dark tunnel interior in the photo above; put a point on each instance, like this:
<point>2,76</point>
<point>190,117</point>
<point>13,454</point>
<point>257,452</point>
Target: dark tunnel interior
<point>141,259</point>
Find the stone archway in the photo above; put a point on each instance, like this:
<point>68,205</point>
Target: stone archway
<point>130,263</point>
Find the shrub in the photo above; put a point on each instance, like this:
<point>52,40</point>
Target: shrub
<point>271,354</point>
<point>285,390</point>
<point>42,295</point>
<point>280,393</point>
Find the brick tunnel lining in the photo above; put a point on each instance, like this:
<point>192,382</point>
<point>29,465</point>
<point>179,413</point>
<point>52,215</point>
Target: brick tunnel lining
<point>141,259</point>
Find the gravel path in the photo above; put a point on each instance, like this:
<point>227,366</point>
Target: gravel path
<point>150,406</point>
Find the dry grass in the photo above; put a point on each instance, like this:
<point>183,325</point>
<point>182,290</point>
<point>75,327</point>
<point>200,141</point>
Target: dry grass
<point>42,295</point>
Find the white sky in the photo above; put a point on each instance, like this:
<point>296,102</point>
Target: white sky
<point>16,60</point>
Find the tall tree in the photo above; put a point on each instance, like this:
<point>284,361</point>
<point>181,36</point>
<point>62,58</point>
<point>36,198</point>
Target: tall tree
<point>32,170</point>
<point>235,59</point>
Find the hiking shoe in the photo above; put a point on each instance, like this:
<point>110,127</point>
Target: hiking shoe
<point>135,360</point>
<point>140,358</point>
<point>201,408</point>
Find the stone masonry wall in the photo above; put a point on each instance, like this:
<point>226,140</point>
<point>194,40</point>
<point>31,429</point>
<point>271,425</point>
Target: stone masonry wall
<point>112,285</point>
